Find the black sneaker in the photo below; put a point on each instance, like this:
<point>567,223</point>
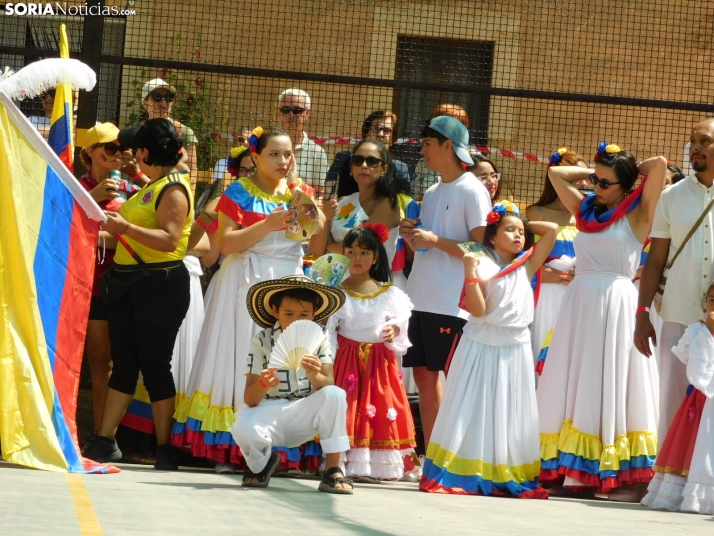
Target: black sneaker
<point>166,458</point>
<point>102,449</point>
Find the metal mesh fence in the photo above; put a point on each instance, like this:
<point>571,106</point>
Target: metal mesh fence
<point>530,75</point>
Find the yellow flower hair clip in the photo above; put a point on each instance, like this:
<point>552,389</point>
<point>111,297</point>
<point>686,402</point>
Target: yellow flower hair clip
<point>237,151</point>
<point>613,149</point>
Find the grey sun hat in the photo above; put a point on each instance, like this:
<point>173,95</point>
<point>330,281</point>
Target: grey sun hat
<point>456,132</point>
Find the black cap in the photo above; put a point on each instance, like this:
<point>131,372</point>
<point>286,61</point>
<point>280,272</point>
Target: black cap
<point>127,138</point>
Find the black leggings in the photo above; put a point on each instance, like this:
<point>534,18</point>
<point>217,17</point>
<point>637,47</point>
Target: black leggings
<point>142,332</point>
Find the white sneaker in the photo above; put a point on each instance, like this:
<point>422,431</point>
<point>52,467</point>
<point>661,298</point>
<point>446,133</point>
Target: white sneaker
<point>225,468</point>
<point>412,476</point>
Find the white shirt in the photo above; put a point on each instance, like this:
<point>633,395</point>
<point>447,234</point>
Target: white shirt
<point>689,278</point>
<point>311,163</point>
<point>450,210</point>
<point>39,121</point>
<point>220,169</point>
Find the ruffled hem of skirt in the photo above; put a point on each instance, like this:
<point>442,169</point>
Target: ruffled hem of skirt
<point>665,492</point>
<point>698,498</point>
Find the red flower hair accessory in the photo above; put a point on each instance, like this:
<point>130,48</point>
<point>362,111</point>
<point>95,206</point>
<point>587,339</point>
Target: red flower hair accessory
<point>379,229</point>
<point>496,214</point>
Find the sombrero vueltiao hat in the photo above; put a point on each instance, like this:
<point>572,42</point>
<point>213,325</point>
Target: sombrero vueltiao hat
<point>259,297</point>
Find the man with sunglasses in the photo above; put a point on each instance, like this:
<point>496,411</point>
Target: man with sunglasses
<point>157,97</point>
<point>294,110</point>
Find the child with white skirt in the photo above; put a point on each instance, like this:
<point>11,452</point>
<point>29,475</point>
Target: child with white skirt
<point>486,436</point>
<point>684,470</point>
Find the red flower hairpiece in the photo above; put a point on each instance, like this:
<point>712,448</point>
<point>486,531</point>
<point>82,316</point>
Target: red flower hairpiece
<point>379,229</point>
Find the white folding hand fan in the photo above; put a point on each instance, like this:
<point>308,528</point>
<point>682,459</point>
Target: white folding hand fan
<point>302,337</point>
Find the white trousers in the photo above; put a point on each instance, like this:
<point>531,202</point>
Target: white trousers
<point>290,423</point>
<point>672,377</point>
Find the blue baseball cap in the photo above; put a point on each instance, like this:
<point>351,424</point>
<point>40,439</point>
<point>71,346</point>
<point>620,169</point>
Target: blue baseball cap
<point>456,132</point>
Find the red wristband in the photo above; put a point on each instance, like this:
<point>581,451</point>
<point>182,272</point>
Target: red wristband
<point>206,226</point>
<point>643,309</point>
<point>261,381</point>
<point>470,280</point>
<point>136,177</point>
<point>294,185</point>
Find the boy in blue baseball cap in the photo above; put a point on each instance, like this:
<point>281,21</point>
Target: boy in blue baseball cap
<point>452,211</point>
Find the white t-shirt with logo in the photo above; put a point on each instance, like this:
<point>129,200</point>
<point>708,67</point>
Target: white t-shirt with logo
<point>449,210</point>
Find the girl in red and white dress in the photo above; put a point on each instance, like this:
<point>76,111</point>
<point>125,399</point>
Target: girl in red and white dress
<point>684,474</point>
<point>370,334</point>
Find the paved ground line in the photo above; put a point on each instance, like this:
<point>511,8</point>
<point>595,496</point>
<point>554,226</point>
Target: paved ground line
<point>86,518</point>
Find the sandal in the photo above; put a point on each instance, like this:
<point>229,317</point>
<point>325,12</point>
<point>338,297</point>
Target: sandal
<point>329,482</point>
<point>264,476</point>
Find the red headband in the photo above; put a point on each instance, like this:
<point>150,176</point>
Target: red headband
<point>379,229</point>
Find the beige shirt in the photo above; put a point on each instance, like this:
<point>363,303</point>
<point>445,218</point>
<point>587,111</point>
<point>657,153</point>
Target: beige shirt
<point>678,209</point>
<point>311,163</point>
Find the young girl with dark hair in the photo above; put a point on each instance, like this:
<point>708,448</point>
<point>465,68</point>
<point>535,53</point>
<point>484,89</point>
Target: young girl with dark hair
<point>252,215</point>
<point>551,282</point>
<point>369,335</point>
<point>596,397</point>
<point>485,439</point>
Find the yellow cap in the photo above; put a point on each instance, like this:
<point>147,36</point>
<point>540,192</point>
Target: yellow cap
<point>101,133</point>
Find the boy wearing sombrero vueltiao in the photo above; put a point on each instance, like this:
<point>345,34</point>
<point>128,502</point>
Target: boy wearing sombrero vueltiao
<point>282,407</point>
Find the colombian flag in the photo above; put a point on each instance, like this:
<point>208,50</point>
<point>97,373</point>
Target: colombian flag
<point>48,235</point>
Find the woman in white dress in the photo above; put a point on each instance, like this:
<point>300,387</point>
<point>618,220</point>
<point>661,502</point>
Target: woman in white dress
<point>251,229</point>
<point>596,399</point>
<point>380,199</point>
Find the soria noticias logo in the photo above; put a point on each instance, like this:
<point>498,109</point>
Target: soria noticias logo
<point>61,8</point>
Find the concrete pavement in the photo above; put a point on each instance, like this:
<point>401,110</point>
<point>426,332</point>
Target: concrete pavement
<point>140,500</point>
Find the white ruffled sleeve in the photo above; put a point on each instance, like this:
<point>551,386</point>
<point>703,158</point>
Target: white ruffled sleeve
<point>398,313</point>
<point>700,368</point>
<point>332,324</point>
<point>682,348</point>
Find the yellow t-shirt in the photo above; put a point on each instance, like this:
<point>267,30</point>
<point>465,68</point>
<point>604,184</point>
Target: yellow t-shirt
<point>140,210</point>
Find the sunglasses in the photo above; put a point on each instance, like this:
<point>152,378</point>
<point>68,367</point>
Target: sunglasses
<point>495,177</point>
<point>295,110</point>
<point>372,161</point>
<point>601,182</point>
<point>158,97</point>
<point>48,93</point>
<point>111,148</point>
<point>385,130</point>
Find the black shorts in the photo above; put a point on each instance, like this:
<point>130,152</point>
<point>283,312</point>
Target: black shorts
<point>434,339</point>
<point>98,309</point>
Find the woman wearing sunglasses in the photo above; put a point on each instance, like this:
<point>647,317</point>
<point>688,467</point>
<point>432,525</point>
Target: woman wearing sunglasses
<point>158,98</point>
<point>597,396</point>
<point>551,282</point>
<point>101,155</point>
<point>375,201</point>
<point>379,125</point>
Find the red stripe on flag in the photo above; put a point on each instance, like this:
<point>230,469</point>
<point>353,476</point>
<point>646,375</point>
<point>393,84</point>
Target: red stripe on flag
<point>74,311</point>
<point>506,153</point>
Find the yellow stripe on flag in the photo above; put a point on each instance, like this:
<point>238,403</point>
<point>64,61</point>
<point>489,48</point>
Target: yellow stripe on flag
<point>26,383</point>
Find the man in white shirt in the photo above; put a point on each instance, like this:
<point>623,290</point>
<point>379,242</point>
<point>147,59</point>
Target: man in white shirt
<point>453,211</point>
<point>678,209</point>
<point>294,110</point>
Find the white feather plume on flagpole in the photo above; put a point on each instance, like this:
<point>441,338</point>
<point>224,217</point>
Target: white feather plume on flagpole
<point>42,75</point>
